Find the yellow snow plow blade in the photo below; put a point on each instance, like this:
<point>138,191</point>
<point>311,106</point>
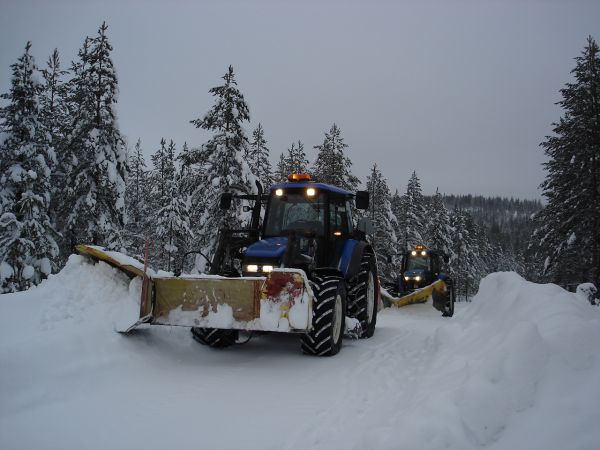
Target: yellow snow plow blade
<point>281,301</point>
<point>417,296</point>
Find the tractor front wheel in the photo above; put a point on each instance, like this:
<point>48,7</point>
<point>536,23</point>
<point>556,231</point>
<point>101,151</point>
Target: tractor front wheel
<point>328,321</point>
<point>214,337</point>
<point>449,307</point>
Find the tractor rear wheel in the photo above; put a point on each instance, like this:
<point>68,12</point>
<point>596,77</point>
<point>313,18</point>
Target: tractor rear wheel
<point>363,298</point>
<point>214,337</point>
<point>449,307</point>
<point>328,321</point>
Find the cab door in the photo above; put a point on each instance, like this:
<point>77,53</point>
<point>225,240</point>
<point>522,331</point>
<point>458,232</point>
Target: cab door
<point>339,229</point>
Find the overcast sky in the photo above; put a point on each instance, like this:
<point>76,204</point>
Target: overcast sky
<point>462,92</point>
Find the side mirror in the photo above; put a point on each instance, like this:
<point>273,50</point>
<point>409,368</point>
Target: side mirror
<point>225,202</point>
<point>362,199</point>
<point>365,226</point>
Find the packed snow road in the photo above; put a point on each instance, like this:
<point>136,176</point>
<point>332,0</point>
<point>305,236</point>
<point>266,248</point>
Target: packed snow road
<point>516,368</point>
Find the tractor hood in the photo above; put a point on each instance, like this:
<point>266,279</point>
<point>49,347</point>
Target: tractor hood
<point>268,248</point>
<point>415,273</point>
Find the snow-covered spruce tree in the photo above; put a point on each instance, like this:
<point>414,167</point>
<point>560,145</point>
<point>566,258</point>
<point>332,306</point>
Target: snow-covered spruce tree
<point>281,171</point>
<point>161,178</point>
<point>193,176</point>
<point>173,232</point>
<point>137,193</point>
<point>55,117</point>
<point>223,161</point>
<point>98,158</point>
<point>439,232</point>
<point>412,220</point>
<point>53,99</point>
<point>163,170</point>
<point>465,268</point>
<point>294,162</point>
<point>384,222</point>
<point>332,166</point>
<point>569,237</point>
<point>258,157</point>
<point>27,238</point>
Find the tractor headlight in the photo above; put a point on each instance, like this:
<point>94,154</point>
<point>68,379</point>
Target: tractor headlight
<point>267,268</point>
<point>417,278</point>
<point>310,192</point>
<point>423,253</point>
<point>251,268</point>
<point>414,253</point>
<point>278,192</point>
<point>406,278</point>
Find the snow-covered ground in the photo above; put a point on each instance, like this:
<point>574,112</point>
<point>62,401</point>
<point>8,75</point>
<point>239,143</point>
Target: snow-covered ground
<point>519,367</point>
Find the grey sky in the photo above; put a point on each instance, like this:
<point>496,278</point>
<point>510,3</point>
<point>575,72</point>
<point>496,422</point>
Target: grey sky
<point>462,92</point>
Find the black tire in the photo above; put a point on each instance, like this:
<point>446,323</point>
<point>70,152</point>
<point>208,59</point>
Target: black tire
<point>362,298</point>
<point>214,337</point>
<point>329,313</point>
<point>449,307</point>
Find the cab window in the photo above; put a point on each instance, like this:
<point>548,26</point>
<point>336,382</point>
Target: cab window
<point>417,263</point>
<point>294,211</point>
<point>339,217</point>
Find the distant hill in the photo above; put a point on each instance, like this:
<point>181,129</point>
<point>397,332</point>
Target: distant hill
<point>507,221</point>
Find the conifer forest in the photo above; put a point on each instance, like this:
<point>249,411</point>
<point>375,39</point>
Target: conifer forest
<point>69,175</point>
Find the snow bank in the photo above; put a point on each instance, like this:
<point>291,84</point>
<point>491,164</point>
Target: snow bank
<point>517,368</point>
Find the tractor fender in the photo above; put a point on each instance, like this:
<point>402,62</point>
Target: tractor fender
<point>352,256</point>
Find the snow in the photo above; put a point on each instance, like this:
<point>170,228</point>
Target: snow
<point>222,318</point>
<point>123,259</point>
<point>515,368</point>
<point>588,291</point>
<point>28,272</point>
<point>298,313</point>
<point>270,317</point>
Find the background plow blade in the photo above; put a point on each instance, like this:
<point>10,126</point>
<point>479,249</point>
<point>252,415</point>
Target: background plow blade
<point>437,289</point>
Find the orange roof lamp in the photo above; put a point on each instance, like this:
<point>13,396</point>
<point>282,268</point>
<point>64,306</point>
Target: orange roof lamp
<point>298,177</point>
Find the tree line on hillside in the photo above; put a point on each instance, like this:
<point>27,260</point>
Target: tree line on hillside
<point>67,177</point>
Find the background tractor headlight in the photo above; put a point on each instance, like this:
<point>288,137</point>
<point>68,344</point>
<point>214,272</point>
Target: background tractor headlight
<point>267,268</point>
<point>417,278</point>
<point>251,268</point>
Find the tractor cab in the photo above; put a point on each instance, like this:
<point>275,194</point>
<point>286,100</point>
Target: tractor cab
<point>306,225</point>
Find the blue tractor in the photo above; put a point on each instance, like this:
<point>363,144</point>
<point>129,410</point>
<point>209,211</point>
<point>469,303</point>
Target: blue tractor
<point>308,229</point>
<point>421,276</point>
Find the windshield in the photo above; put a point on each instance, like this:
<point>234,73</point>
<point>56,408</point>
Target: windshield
<point>295,211</point>
<point>417,263</point>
